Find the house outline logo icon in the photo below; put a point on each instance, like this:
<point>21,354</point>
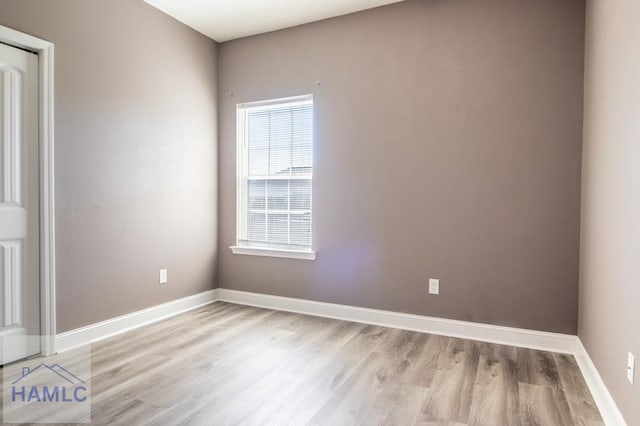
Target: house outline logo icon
<point>56,369</point>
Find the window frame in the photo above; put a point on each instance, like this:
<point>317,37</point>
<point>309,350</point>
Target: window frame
<point>242,179</point>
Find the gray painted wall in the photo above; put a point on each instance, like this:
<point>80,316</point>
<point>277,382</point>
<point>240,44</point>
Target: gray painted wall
<point>136,154</point>
<point>447,145</point>
<point>609,288</point>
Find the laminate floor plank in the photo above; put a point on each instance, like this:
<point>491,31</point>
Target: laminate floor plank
<point>495,395</point>
<point>426,362</point>
<point>537,368</point>
<point>543,405</point>
<point>350,403</point>
<point>451,390</point>
<point>576,391</point>
<point>227,364</point>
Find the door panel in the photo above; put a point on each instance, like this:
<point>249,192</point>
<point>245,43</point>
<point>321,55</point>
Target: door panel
<point>19,209</point>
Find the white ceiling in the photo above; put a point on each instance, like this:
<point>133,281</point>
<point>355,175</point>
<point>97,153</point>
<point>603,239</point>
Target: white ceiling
<point>224,20</point>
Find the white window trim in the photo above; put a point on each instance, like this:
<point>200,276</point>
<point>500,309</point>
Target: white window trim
<point>241,187</point>
<point>274,252</point>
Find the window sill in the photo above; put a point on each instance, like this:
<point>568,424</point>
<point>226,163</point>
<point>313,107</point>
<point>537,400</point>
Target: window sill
<point>274,252</point>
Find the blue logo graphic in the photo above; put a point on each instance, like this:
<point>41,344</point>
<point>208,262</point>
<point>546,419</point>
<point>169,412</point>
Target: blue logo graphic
<point>48,383</point>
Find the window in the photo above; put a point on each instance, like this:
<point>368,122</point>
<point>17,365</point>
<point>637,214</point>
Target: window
<point>275,173</point>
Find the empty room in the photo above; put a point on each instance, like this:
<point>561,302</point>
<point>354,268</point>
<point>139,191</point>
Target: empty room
<point>302,212</point>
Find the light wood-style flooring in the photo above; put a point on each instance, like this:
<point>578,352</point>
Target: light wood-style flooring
<point>226,364</point>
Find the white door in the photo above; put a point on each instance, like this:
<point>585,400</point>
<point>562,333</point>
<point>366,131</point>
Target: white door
<point>19,212</point>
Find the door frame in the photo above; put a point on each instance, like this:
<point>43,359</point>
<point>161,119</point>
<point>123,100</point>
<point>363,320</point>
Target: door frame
<point>44,50</point>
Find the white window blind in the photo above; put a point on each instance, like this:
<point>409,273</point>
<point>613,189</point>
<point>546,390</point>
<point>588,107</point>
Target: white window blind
<point>275,146</point>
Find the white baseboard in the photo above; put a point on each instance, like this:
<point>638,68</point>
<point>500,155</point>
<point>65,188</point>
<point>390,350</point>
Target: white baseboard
<point>102,330</point>
<point>607,406</point>
<point>541,340</point>
<point>554,342</point>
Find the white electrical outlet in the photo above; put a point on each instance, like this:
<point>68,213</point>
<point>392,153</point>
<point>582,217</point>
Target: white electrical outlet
<point>630,367</point>
<point>163,276</point>
<point>434,286</point>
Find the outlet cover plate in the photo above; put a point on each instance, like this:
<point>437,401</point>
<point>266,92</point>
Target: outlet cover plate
<point>630,367</point>
<point>434,286</point>
<point>163,276</point>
